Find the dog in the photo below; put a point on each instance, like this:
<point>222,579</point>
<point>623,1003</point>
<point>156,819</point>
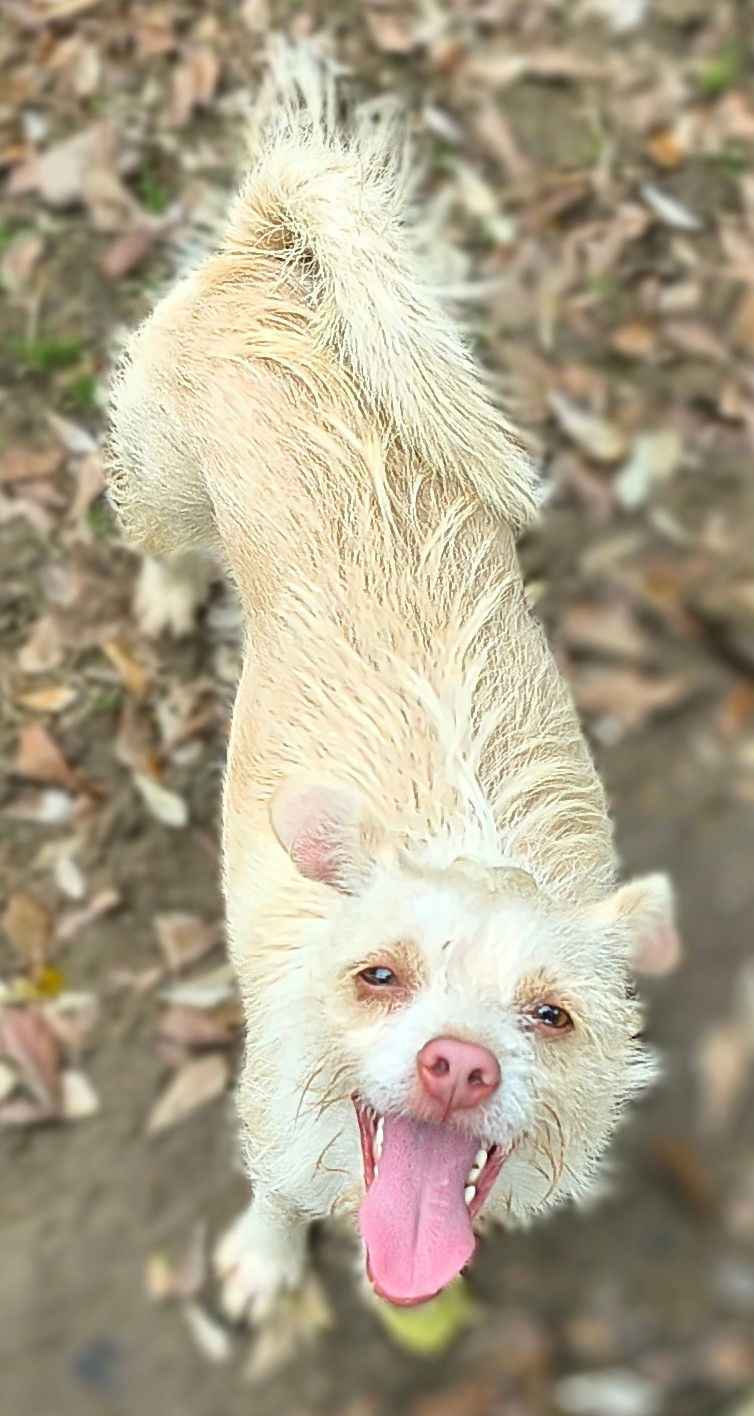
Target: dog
<point>435,959</point>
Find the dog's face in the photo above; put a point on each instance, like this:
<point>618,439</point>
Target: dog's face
<point>490,1036</point>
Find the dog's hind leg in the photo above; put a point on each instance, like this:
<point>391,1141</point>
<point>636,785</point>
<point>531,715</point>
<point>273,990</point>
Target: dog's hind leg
<point>262,1256</point>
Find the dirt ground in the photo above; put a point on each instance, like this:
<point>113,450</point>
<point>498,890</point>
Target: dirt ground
<point>594,163</point>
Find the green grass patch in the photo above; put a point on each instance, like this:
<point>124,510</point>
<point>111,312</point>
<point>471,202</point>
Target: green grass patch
<point>153,194</point>
<point>100,519</point>
<point>45,355</point>
<point>107,699</point>
<point>724,70</point>
<point>80,395</point>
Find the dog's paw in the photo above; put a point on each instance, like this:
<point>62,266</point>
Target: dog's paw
<point>168,597</point>
<point>256,1265</point>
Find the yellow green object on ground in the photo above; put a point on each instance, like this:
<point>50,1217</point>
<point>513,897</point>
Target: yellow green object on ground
<point>429,1328</point>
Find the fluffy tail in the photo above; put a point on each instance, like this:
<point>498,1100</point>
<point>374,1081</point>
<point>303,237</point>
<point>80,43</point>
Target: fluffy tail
<point>335,194</point>
<point>330,202</point>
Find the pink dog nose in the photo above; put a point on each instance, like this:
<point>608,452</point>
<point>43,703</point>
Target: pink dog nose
<point>458,1074</point>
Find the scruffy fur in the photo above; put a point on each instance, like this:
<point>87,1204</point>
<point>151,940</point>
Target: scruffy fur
<point>406,772</point>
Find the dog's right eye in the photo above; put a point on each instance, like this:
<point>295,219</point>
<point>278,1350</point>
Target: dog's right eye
<point>378,977</point>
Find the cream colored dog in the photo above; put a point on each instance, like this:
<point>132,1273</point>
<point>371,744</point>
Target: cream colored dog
<point>420,879</point>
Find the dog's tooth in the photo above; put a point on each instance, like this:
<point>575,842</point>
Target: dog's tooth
<point>473,1174</point>
<point>480,1160</point>
<point>378,1134</point>
<point>376,1170</point>
<point>469,1194</point>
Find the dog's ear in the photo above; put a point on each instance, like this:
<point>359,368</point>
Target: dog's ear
<point>646,905</point>
<point>327,835</point>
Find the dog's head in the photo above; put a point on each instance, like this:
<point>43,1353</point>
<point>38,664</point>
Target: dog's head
<point>489,1033</point>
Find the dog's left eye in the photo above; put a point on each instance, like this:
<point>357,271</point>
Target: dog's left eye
<point>378,977</point>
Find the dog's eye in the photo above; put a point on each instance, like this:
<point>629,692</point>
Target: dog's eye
<point>378,977</point>
<point>549,1015</point>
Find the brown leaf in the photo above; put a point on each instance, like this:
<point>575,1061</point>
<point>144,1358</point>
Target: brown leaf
<point>133,674</point>
<point>39,758</point>
<point>72,1017</point>
<point>636,339</point>
<point>600,439</point>
<point>743,323</point>
<point>724,1057</point>
<point>666,148</point>
<point>202,1080</point>
<point>194,83</point>
<point>27,1040</point>
<point>198,1028</point>
<point>29,926</point>
<point>20,260</point>
<point>54,698</point>
<point>628,696</point>
<point>20,463</point>
<point>73,923</point>
<point>393,31</point>
<point>474,1398</point>
<point>90,483</point>
<point>128,252</point>
<point>184,938</point>
<point>60,174</point>
<point>608,629</point>
<point>43,649</point>
<point>681,1167</point>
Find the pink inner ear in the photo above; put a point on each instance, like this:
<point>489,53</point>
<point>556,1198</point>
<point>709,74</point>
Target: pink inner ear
<point>318,827</point>
<point>315,853</point>
<point>659,951</point>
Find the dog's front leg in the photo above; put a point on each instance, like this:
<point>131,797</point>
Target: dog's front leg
<point>170,593</point>
<point>262,1256</point>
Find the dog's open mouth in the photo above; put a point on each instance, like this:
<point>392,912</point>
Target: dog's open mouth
<point>425,1182</point>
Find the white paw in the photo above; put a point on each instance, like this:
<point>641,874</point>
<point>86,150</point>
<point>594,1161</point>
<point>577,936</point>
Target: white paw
<point>168,597</point>
<point>256,1264</point>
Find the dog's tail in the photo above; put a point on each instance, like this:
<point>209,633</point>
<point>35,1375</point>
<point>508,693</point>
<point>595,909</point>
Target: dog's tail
<point>334,196</point>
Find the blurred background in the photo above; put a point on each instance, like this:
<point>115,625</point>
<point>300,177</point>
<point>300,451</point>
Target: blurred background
<point>594,162</point>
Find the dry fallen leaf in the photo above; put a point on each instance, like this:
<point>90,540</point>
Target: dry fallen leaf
<point>654,458</point>
<point>607,629</point>
<point>724,1063</point>
<point>200,1081</point>
<point>627,695</point>
<point>43,650</point>
<point>79,1100</point>
<point>29,925</point>
<point>184,938</point>
<point>73,923</point>
<point>206,990</point>
<point>210,1336</point>
<point>72,1017</point>
<point>298,1321</point>
<point>29,1043</point>
<point>132,673</point>
<point>600,439</point>
<point>185,1029</point>
<point>669,210</point>
<point>39,758</point>
<point>53,698</point>
<point>165,806</point>
<point>611,1392</point>
<point>129,251</point>
<point>394,31</point>
<point>20,463</point>
<point>60,174</point>
<point>681,1166</point>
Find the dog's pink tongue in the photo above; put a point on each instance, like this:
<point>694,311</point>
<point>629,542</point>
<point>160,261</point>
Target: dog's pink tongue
<point>413,1218</point>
